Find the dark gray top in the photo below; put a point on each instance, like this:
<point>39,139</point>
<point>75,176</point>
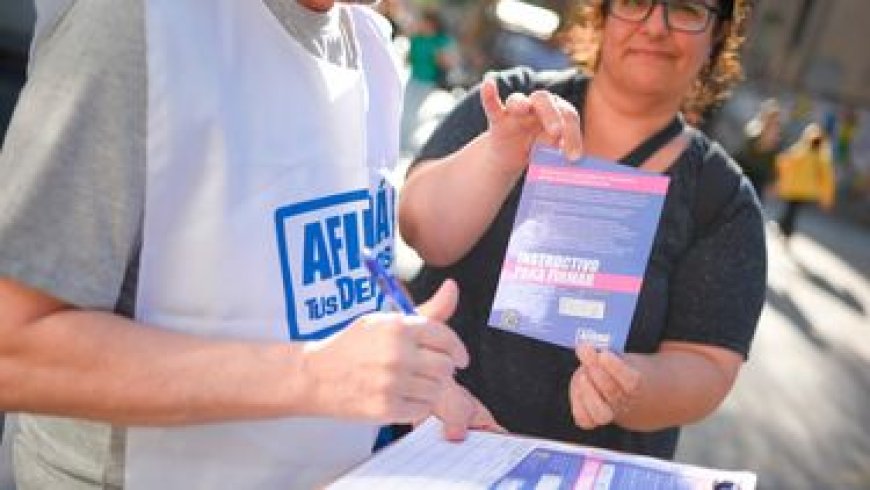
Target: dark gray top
<point>705,283</point>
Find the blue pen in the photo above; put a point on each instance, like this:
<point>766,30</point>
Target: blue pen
<point>388,283</point>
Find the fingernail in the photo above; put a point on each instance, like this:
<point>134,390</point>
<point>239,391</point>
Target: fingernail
<point>413,320</point>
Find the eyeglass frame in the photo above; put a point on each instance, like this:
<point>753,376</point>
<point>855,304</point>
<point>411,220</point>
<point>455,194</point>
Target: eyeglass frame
<point>714,14</point>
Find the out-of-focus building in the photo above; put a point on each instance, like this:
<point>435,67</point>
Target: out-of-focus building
<point>812,56</point>
<point>813,46</point>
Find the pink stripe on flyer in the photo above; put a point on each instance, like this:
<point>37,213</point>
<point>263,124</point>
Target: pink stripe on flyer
<point>618,283</point>
<point>586,478</point>
<point>552,276</point>
<point>580,177</point>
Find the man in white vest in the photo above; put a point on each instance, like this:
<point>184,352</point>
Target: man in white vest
<point>185,191</point>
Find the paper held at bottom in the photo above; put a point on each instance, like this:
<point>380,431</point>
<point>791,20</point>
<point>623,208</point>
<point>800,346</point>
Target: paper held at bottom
<point>424,460</point>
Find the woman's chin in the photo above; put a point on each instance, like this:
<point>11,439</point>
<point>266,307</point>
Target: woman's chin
<point>654,85</point>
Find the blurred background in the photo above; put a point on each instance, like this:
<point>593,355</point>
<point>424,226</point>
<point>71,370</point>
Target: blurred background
<point>16,25</point>
<point>800,414</point>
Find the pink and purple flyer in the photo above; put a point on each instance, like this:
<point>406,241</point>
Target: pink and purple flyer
<point>578,251</point>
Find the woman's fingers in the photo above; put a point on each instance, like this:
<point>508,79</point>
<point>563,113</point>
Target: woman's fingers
<point>546,107</point>
<point>587,407</point>
<point>572,132</point>
<point>608,387</point>
<point>541,117</point>
<point>611,377</point>
<point>491,102</point>
<point>560,122</point>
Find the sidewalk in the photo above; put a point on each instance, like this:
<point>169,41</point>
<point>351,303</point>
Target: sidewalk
<point>799,415</point>
<point>838,232</point>
<point>855,209</point>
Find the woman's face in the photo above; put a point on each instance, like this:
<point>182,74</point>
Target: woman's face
<point>646,57</point>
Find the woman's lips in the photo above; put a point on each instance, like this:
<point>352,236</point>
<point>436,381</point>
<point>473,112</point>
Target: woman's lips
<point>657,53</point>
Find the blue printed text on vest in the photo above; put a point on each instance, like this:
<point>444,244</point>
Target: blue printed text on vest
<point>320,243</point>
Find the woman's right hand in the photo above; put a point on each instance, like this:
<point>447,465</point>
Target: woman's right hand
<point>523,120</point>
<point>603,387</point>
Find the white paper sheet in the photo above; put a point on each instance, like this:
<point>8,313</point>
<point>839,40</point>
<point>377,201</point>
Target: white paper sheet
<point>423,460</point>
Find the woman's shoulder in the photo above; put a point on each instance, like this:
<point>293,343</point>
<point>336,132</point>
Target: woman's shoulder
<point>718,179</point>
<point>708,155</point>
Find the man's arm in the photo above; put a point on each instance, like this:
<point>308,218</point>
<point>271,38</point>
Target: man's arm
<point>56,359</point>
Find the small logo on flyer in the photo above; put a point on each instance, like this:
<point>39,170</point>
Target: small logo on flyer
<point>589,336</point>
<point>510,320</point>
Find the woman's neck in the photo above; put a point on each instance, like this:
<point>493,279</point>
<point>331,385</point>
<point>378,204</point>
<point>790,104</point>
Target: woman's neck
<point>616,121</point>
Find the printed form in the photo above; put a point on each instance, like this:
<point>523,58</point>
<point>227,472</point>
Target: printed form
<point>423,460</point>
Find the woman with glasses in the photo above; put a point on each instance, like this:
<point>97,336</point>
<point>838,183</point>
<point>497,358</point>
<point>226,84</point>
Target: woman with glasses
<point>704,283</point>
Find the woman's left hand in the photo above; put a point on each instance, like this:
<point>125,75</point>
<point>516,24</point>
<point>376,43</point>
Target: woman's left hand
<point>523,120</point>
<point>603,387</point>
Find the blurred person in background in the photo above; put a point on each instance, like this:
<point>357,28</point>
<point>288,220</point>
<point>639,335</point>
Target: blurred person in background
<point>763,142</point>
<point>847,130</point>
<point>396,13</point>
<point>801,112</point>
<point>432,50</point>
<point>704,285</point>
<point>805,175</point>
<point>432,55</point>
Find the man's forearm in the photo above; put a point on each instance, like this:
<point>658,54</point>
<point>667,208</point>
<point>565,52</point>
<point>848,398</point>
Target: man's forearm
<point>100,366</point>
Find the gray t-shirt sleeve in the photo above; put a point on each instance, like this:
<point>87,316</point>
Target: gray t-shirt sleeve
<point>73,162</point>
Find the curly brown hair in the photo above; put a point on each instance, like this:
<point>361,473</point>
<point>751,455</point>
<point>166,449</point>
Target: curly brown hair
<point>583,40</point>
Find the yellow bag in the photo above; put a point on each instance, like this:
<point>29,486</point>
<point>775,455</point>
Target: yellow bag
<point>805,175</point>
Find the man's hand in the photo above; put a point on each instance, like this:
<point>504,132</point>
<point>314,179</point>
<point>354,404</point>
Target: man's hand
<point>459,410</point>
<point>387,368</point>
<point>602,388</point>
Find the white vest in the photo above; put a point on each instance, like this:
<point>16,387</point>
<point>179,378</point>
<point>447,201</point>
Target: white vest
<point>263,185</point>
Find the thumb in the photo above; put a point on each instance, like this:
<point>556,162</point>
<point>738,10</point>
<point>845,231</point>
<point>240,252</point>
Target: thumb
<point>490,99</point>
<point>585,354</point>
<point>442,304</point>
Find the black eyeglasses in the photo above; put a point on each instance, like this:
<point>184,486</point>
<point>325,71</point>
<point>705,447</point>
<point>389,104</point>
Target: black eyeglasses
<point>692,16</point>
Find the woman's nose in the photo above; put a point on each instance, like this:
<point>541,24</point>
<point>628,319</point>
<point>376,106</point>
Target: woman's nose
<point>656,24</point>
